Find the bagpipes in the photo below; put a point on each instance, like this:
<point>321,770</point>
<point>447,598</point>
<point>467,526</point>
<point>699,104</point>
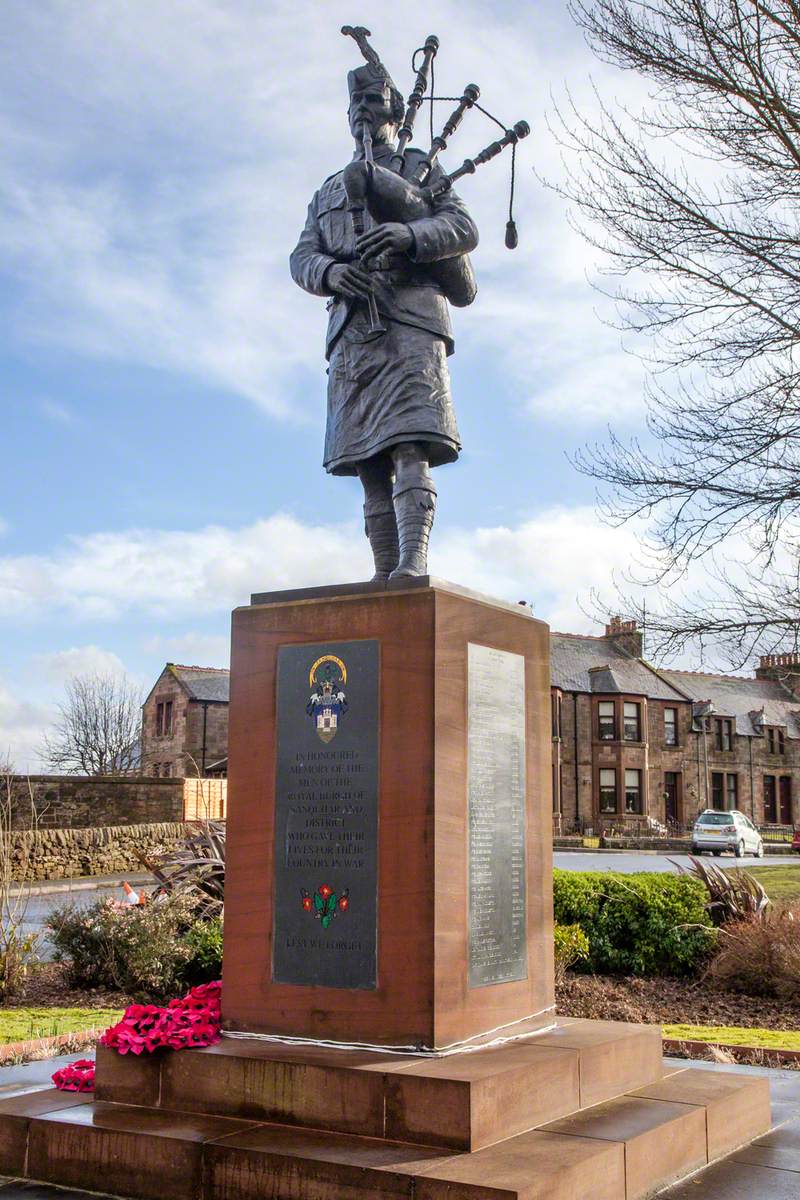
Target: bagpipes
<point>403,191</point>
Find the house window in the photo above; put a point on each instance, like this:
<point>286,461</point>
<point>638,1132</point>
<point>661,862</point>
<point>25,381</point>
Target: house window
<point>732,790</point>
<point>168,718</point>
<point>156,770</point>
<point>608,790</point>
<point>166,770</point>
<point>633,791</point>
<point>606,721</point>
<point>723,732</point>
<point>670,726</point>
<point>555,713</point>
<point>159,719</point>
<point>724,790</point>
<point>776,740</point>
<point>632,714</point>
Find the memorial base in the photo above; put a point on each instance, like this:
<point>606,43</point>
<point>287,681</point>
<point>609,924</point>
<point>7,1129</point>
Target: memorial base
<point>583,1110</point>
<point>389,755</point>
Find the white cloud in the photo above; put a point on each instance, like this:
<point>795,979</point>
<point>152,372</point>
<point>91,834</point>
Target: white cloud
<point>22,725</point>
<point>152,201</point>
<point>60,665</point>
<point>57,412</point>
<point>103,575</point>
<point>550,559</point>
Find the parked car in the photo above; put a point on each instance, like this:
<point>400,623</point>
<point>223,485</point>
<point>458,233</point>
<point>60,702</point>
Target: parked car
<point>796,841</point>
<point>717,831</point>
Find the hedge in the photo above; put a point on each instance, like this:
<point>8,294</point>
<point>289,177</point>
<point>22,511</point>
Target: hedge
<point>643,924</point>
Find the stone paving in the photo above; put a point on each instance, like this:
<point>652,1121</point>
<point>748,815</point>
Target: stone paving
<point>769,1169</point>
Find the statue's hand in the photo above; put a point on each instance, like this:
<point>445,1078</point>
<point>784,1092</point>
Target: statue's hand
<point>392,237</point>
<point>350,280</point>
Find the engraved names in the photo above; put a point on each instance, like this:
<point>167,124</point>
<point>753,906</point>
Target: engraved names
<point>496,791</point>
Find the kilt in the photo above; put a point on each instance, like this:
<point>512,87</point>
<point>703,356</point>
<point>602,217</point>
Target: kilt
<point>383,392</point>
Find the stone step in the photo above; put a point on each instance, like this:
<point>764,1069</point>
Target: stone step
<point>621,1149</point>
<point>127,1150</point>
<point>462,1102</point>
<point>737,1106</point>
<point>148,1154</point>
<point>673,1128</point>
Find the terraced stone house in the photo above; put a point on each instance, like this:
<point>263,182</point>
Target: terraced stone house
<point>629,742</point>
<point>632,742</point>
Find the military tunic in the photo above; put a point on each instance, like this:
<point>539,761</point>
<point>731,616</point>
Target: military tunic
<point>394,388</point>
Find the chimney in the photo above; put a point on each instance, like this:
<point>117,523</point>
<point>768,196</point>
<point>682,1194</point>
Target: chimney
<point>784,668</point>
<point>626,635</point>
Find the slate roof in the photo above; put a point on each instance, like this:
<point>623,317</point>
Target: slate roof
<point>203,683</point>
<point>743,699</point>
<point>574,660</point>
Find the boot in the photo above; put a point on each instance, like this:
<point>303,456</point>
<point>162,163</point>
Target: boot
<point>381,529</point>
<point>414,510</point>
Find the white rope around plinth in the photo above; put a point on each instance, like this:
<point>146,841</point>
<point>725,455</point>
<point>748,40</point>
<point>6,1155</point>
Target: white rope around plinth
<point>454,1048</point>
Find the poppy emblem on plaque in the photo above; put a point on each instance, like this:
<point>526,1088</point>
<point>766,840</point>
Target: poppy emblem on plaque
<point>328,702</point>
<point>325,904</point>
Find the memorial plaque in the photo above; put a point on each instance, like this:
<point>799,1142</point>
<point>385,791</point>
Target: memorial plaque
<point>326,815</point>
<point>496,789</point>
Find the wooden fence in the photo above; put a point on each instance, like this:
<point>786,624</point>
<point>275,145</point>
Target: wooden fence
<point>205,799</point>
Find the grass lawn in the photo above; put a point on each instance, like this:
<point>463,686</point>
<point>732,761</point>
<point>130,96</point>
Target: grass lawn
<point>731,1035</point>
<point>25,1024</point>
<point>780,883</point>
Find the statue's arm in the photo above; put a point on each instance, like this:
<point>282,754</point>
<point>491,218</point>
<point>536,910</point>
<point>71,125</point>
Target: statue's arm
<point>450,230</point>
<point>309,261</point>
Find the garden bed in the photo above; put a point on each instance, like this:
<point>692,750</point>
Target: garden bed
<point>46,986</point>
<point>657,1000</point>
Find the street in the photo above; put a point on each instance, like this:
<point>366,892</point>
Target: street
<point>629,861</point>
<point>49,895</point>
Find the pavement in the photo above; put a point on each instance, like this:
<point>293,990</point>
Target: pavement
<point>629,861</point>
<point>769,1169</point>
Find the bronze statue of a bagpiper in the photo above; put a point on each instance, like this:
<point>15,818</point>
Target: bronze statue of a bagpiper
<point>388,240</point>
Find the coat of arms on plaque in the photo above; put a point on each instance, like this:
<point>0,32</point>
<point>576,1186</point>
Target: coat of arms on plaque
<point>328,702</point>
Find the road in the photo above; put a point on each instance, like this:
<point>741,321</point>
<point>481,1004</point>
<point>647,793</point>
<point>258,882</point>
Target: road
<point>629,861</point>
<point>47,896</point>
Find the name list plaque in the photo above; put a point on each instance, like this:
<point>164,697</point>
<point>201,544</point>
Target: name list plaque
<point>496,791</point>
<point>326,815</point>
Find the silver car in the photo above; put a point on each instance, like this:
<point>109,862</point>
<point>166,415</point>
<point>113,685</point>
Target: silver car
<point>718,831</point>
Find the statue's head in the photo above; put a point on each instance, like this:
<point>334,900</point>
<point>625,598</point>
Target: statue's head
<point>374,101</point>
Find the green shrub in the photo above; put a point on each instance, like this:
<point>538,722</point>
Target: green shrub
<point>204,940</point>
<point>140,950</point>
<point>643,924</point>
<point>570,945</point>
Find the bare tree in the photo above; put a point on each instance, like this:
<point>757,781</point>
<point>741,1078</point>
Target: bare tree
<point>696,203</point>
<point>98,730</point>
<point>17,942</point>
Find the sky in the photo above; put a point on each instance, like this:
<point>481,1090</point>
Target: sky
<point>162,379</point>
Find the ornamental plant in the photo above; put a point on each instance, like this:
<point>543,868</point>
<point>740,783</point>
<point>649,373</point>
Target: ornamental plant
<point>142,950</point>
<point>642,924</point>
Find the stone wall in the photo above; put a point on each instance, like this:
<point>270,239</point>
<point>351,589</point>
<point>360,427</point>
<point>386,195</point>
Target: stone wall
<point>78,802</point>
<point>67,853</point>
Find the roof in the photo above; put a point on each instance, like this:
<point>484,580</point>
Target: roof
<point>574,660</point>
<point>203,683</point>
<point>743,699</point>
